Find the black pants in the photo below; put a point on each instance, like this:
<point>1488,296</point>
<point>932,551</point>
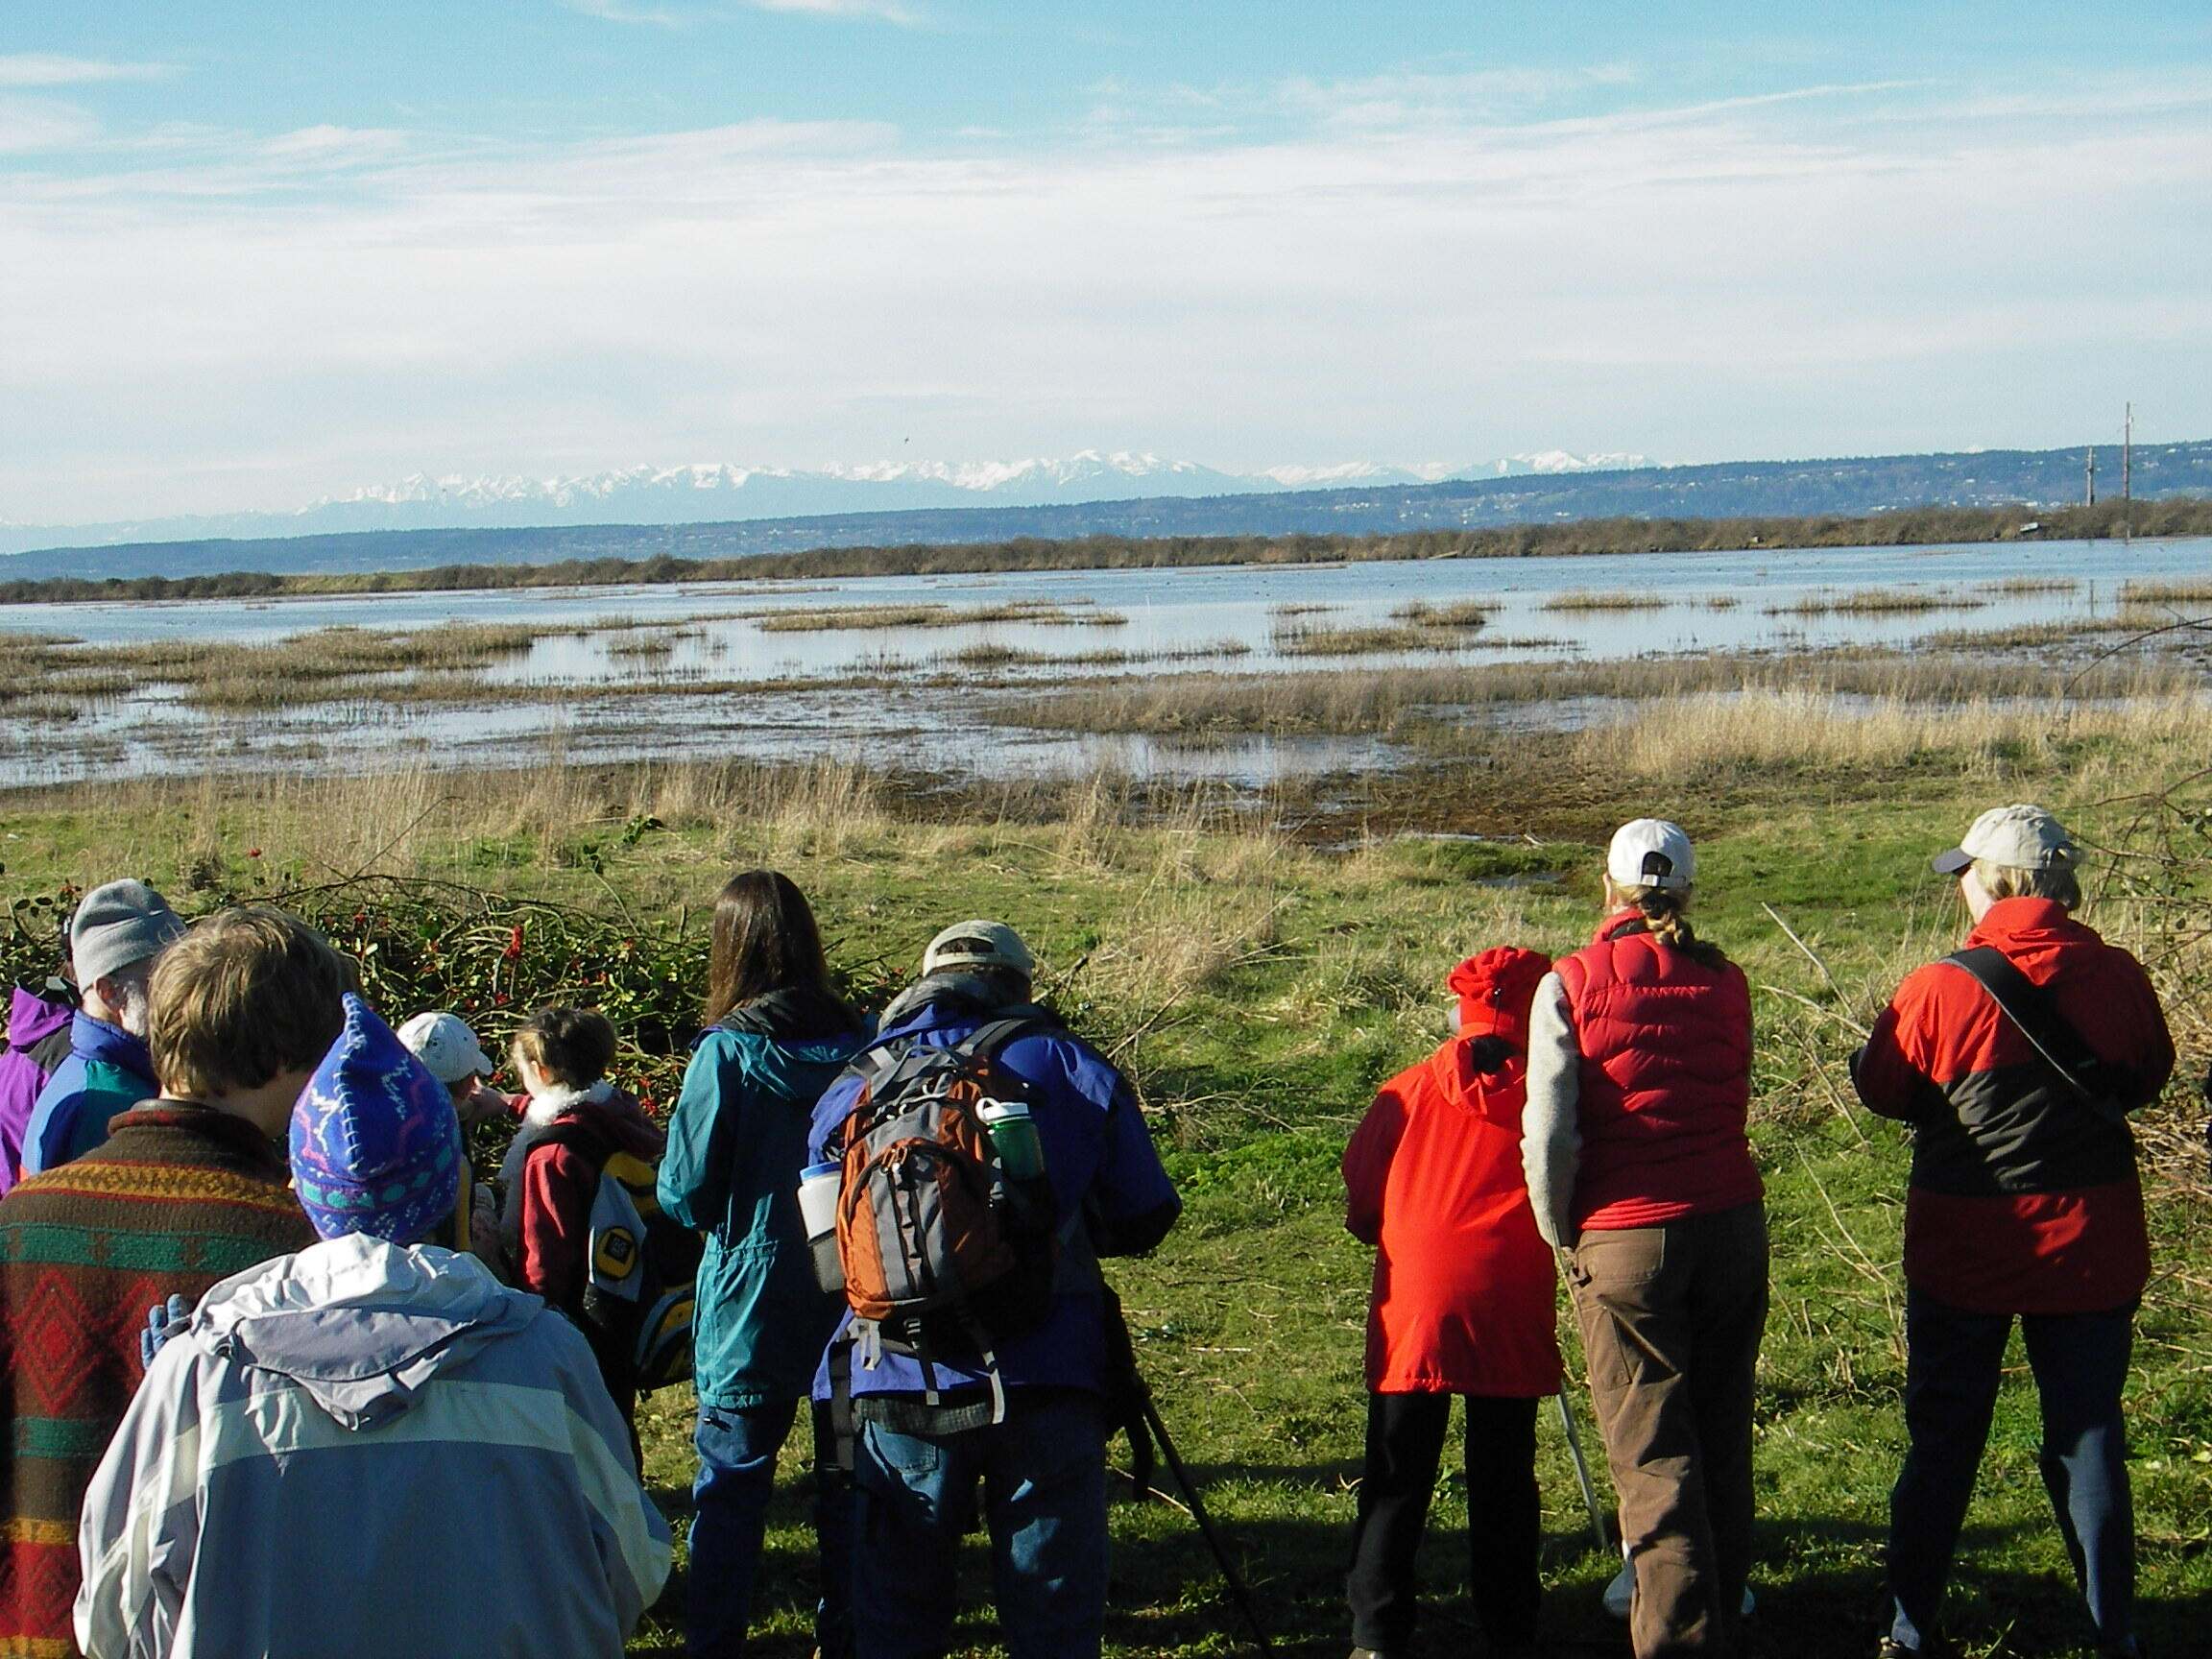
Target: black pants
<point>1504,1524</point>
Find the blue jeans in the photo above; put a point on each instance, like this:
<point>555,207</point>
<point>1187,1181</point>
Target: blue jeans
<point>1951,1375</point>
<point>1044,1476</point>
<point>736,1474</point>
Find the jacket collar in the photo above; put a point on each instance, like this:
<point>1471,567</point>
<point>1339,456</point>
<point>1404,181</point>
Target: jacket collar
<point>210,1122</point>
<point>1629,920</point>
<point>952,998</point>
<point>91,1039</point>
<point>2022,919</point>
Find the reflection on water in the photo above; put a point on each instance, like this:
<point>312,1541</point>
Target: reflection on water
<point>710,634</point>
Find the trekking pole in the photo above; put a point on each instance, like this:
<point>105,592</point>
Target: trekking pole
<point>1583,1472</point>
<point>1230,1577</point>
<point>1133,1389</point>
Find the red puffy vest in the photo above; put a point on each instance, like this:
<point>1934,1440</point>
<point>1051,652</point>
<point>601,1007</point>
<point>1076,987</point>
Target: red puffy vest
<point>1666,1081</point>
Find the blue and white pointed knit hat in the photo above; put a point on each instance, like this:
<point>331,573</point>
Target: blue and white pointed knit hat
<point>375,1143</point>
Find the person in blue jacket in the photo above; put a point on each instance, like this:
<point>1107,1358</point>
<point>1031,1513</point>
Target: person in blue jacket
<point>920,1451</point>
<point>776,1036</point>
<point>117,933</point>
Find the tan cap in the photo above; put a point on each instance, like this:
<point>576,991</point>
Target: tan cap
<point>2017,838</point>
<point>978,945</point>
<point>1651,852</point>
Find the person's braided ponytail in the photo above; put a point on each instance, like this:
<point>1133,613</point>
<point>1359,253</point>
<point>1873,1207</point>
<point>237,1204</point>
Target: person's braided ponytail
<point>1661,908</point>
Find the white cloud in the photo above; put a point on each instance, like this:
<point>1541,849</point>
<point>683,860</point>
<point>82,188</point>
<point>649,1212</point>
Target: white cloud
<point>29,126</point>
<point>26,69</point>
<point>1834,270</point>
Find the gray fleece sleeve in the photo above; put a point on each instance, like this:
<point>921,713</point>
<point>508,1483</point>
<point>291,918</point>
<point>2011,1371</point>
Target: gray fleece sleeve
<point>1550,1145</point>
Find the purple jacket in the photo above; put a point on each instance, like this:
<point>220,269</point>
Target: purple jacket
<point>31,1021</point>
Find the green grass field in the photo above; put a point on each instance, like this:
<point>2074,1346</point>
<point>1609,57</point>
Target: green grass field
<point>1259,985</point>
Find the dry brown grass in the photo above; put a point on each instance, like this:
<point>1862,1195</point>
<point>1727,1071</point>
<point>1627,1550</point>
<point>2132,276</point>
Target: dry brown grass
<point>1358,701</point>
<point>1679,739</point>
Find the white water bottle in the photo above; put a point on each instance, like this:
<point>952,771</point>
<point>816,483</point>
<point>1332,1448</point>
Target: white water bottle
<point>819,1187</point>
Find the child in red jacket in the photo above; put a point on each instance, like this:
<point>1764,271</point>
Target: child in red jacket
<point>1462,1304</point>
<point>575,1118</point>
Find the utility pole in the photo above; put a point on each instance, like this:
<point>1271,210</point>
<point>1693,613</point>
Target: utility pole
<point>2128,476</point>
<point>2089,479</point>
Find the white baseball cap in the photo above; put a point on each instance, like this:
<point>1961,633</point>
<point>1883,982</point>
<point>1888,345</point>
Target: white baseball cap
<point>446,1048</point>
<point>979,944</point>
<point>2020,837</point>
<point>1651,852</point>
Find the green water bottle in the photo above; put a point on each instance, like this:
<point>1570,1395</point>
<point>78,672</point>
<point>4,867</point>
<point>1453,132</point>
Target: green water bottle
<point>1013,1136</point>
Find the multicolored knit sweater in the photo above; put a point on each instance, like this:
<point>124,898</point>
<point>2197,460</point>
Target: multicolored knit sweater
<point>179,1197</point>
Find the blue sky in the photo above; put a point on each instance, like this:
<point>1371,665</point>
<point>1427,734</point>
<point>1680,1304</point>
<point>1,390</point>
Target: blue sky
<point>252,255</point>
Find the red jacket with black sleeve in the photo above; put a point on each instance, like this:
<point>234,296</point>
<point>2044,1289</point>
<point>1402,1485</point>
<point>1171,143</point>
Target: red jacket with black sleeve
<point>2023,1199</point>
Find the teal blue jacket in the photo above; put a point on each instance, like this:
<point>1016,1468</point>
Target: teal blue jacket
<point>737,1143</point>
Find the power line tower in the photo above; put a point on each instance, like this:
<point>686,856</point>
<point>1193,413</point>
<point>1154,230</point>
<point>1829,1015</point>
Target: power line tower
<point>2128,476</point>
<point>2089,478</point>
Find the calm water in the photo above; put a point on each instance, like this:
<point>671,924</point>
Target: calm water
<point>1724,601</point>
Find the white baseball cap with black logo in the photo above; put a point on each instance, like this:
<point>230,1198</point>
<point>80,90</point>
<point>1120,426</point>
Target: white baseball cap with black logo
<point>1651,852</point>
<point>2020,837</point>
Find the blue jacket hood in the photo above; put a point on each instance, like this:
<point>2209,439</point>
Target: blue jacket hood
<point>360,1324</point>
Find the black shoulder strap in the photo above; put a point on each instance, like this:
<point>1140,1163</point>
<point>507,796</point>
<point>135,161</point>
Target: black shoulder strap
<point>985,1040</point>
<point>2033,1013</point>
<point>578,1137</point>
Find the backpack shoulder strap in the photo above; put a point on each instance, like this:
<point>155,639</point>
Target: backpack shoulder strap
<point>986,1040</point>
<point>2037,1017</point>
<point>580,1137</point>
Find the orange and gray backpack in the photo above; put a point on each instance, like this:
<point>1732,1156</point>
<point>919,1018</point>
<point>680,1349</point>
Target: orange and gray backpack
<point>940,1242</point>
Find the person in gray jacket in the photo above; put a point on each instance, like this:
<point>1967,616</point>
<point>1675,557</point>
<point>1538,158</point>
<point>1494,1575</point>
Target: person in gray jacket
<point>370,1447</point>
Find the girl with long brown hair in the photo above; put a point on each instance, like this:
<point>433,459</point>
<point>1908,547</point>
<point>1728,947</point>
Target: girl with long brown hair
<point>775,1033</point>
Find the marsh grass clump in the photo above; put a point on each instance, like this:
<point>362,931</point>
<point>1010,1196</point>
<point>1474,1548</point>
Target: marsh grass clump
<point>1876,602</point>
<point>322,665</point>
<point>936,614</point>
<point>2146,590</point>
<point>1588,599</point>
<point>1419,625</point>
<point>1449,613</point>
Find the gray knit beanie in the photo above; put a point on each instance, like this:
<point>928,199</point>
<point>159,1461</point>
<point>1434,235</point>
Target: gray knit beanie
<point>122,922</point>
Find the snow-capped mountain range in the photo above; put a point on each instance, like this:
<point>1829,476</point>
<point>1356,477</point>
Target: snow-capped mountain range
<point>705,493</point>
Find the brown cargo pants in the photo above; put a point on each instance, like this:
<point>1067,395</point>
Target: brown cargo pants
<point>1672,1317</point>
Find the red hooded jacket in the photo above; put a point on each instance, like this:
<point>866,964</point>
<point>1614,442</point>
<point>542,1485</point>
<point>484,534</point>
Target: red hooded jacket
<point>2023,1199</point>
<point>1463,1293</point>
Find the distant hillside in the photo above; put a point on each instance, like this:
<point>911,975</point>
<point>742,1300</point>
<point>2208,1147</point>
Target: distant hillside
<point>1732,490</point>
